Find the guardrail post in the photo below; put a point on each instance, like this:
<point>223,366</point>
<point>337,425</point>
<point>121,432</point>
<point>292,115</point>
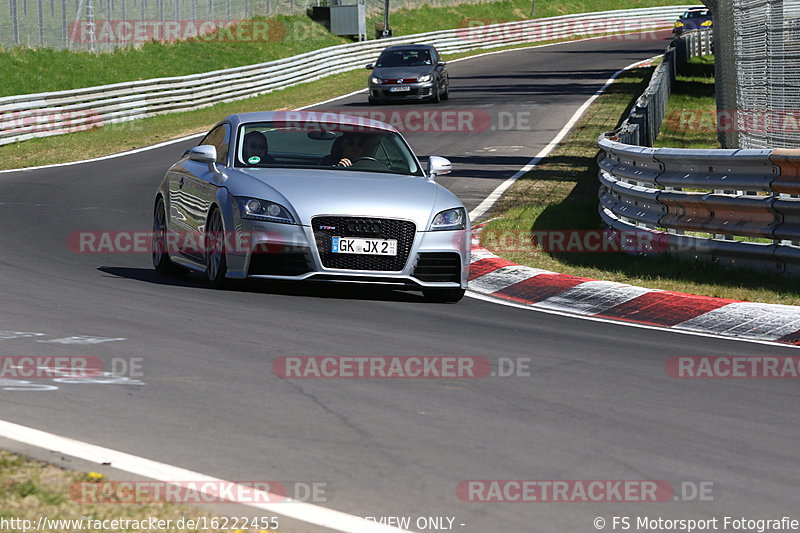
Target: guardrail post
<point>12,8</point>
<point>788,160</point>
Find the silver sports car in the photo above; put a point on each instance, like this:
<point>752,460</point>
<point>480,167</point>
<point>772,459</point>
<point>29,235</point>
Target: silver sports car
<point>311,196</point>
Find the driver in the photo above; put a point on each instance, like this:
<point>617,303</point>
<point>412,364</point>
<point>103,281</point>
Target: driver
<point>351,147</point>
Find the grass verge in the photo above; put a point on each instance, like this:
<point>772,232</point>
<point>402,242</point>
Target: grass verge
<point>561,194</point>
<point>28,70</point>
<point>691,118</point>
<point>32,489</point>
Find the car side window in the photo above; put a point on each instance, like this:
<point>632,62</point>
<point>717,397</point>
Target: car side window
<point>219,138</point>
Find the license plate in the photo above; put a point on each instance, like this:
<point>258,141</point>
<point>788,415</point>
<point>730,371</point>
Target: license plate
<point>351,245</point>
<point>399,89</point>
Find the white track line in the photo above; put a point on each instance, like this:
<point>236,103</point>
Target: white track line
<point>304,512</point>
<point>104,157</point>
<point>495,195</point>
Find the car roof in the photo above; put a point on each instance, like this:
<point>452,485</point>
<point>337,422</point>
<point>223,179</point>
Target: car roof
<point>326,117</point>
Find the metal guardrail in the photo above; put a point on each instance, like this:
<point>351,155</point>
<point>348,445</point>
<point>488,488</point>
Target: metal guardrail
<point>40,115</point>
<point>645,118</point>
<point>745,201</point>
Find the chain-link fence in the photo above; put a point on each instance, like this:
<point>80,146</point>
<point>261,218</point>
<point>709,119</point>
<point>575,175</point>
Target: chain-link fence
<point>102,25</point>
<point>758,72</point>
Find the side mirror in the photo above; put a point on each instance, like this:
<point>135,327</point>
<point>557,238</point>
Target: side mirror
<point>438,166</point>
<point>370,66</point>
<point>441,63</point>
<point>205,153</point>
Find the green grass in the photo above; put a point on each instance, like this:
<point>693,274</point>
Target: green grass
<point>32,489</point>
<point>561,194</point>
<point>690,121</point>
<point>28,71</point>
<point>114,138</point>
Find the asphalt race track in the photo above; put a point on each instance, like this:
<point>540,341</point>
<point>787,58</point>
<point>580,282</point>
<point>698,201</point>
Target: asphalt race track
<point>598,404</point>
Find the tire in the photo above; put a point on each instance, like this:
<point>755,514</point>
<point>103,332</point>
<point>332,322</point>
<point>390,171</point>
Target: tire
<point>158,243</point>
<point>214,242</point>
<point>443,295</point>
<point>435,99</point>
<point>446,94</point>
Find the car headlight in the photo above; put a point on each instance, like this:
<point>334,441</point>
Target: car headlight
<point>424,79</point>
<point>679,24</point>
<point>707,24</point>
<point>256,209</point>
<point>451,219</point>
<point>375,80</point>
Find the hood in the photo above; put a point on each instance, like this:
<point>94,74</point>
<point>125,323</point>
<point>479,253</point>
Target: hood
<point>401,72</point>
<point>310,192</point>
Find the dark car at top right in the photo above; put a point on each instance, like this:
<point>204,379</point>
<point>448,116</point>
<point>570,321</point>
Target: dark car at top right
<point>695,18</point>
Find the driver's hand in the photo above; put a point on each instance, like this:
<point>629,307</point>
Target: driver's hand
<point>344,162</point>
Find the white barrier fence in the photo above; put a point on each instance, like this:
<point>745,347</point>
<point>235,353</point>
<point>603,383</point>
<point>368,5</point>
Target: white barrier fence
<point>41,115</point>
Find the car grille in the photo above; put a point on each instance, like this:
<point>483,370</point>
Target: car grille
<point>438,267</point>
<point>401,80</point>
<point>413,91</point>
<point>380,228</point>
<point>263,263</point>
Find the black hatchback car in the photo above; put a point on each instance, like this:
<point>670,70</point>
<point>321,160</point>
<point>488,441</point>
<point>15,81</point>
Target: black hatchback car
<point>408,72</point>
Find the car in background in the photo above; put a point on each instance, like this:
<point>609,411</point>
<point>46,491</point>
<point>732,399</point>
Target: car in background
<point>408,72</point>
<point>311,196</point>
<point>695,18</point>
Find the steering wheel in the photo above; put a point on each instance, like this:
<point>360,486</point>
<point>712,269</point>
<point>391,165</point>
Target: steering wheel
<point>365,158</point>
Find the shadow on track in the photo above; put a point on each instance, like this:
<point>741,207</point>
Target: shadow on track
<point>311,289</point>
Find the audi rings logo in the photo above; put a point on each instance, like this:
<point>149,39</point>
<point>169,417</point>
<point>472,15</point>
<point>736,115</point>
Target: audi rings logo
<point>363,226</point>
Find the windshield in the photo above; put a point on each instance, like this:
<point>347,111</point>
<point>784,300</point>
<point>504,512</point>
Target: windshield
<point>404,58</point>
<point>699,13</point>
<point>317,145</point>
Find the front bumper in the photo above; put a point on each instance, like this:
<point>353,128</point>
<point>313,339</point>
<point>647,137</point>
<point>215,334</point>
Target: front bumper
<point>416,91</point>
<point>289,252</point>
